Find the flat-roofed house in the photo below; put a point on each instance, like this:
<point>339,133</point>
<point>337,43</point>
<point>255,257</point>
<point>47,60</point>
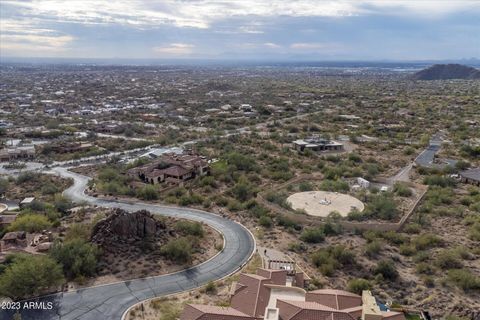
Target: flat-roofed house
<point>471,176</point>
<point>316,144</point>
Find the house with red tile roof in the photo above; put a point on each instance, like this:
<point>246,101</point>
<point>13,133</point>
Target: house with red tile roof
<point>275,295</point>
<point>171,167</point>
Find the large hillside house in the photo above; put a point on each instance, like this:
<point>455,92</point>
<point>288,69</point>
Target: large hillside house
<point>276,295</point>
<point>172,168</point>
<point>17,153</point>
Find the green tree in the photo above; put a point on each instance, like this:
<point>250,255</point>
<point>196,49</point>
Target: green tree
<point>387,269</point>
<point>78,258</point>
<point>358,285</point>
<point>178,250</point>
<point>3,186</point>
<point>30,275</point>
<point>190,228</point>
<point>62,204</point>
<point>148,192</point>
<point>30,223</point>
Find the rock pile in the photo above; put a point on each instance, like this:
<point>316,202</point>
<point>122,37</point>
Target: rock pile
<point>122,227</point>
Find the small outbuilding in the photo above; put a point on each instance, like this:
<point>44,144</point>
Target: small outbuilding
<point>26,202</point>
<point>471,176</point>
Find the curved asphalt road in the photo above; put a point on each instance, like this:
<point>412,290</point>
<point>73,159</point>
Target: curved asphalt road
<point>112,300</point>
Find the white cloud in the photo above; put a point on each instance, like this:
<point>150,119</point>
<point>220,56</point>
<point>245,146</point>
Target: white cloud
<point>272,45</point>
<point>175,49</point>
<point>202,13</point>
<point>29,38</point>
<point>42,40</point>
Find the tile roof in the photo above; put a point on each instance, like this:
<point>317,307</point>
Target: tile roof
<point>336,292</point>
<point>308,305</point>
<point>227,311</point>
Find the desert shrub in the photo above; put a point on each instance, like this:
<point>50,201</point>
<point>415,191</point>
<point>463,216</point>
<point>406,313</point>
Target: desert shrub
<point>297,247</point>
<point>334,185</point>
<point>148,192</point>
<point>27,176</point>
<point>373,248</point>
<point>387,269</point>
<point>402,190</point>
<point>190,228</point>
<point>331,228</point>
<point>29,275</point>
<point>265,221</point>
<point>287,222</point>
<point>169,310</point>
<point>475,206</point>
<point>243,190</point>
<point>412,228</point>
<point>256,210</point>
<point>354,158</point>
<point>30,223</point>
<point>426,241</point>
<point>78,258</point>
<point>331,258</point>
<point>234,205</point>
<point>211,288</point>
<point>4,183</point>
<point>62,204</point>
<point>241,162</point>
<point>382,207</point>
<point>407,249</point>
<point>305,186</point>
<point>437,180</point>
<point>190,199</point>
<point>49,188</point>
<point>279,169</point>
<point>421,257</point>
<point>394,238</point>
<point>358,285</point>
<point>438,195</point>
<point>474,231</point>
<point>208,181</point>
<point>78,231</point>
<point>278,198</point>
<point>424,268</point>
<point>464,279</point>
<point>448,259</point>
<point>178,250</point>
<point>312,235</point>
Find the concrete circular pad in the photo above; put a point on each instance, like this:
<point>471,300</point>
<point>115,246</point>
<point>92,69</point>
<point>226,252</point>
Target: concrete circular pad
<point>321,203</point>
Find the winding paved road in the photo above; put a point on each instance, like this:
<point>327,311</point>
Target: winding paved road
<point>112,300</point>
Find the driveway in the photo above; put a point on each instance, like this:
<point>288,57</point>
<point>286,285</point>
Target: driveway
<point>111,301</point>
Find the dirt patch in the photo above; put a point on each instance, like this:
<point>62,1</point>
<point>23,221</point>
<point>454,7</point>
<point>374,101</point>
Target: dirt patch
<point>322,203</point>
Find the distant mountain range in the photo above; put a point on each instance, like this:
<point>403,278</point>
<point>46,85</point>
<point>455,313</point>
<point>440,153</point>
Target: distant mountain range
<point>447,71</point>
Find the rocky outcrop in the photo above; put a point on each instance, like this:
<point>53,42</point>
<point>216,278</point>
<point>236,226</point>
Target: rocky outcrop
<point>124,227</point>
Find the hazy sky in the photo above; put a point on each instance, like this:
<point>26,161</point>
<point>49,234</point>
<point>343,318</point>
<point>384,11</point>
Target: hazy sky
<point>241,29</point>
